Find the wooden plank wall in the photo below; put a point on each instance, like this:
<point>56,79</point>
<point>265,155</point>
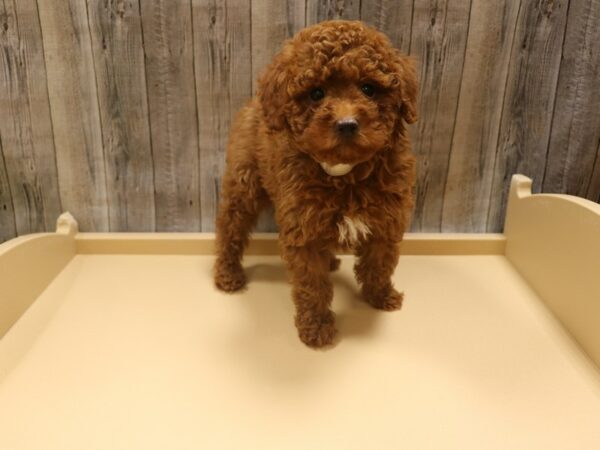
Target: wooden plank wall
<point>119,110</point>
<point>75,115</point>
<point>118,56</point>
<point>28,170</point>
<point>529,99</point>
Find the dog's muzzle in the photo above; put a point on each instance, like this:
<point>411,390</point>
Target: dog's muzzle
<point>336,170</point>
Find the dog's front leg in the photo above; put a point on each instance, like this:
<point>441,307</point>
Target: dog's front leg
<point>312,292</point>
<point>377,259</point>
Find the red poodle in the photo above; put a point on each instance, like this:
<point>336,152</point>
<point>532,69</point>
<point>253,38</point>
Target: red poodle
<point>325,142</point>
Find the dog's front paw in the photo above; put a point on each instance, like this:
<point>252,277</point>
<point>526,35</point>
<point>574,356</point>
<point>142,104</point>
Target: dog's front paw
<point>316,330</point>
<point>388,299</point>
<point>229,277</point>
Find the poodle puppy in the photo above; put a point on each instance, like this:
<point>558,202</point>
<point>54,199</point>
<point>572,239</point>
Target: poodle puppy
<point>325,142</point>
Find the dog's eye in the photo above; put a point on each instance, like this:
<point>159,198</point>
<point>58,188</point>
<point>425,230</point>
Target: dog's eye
<point>317,94</point>
<point>368,89</point>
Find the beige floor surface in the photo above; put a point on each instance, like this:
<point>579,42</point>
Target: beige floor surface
<point>140,352</point>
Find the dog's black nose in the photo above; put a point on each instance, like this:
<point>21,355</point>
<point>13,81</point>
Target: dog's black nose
<point>347,126</point>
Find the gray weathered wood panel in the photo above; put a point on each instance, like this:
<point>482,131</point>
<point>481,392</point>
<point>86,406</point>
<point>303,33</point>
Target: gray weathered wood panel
<point>438,42</point>
<point>167,34</point>
<point>528,100</point>
<point>119,110</point>
<point>472,155</point>
<point>223,83</point>
<point>74,108</point>
<point>319,10</point>
<point>273,22</point>
<point>118,52</point>
<point>576,122</point>
<point>8,228</point>
<point>25,124</point>
<point>593,192</point>
<point>393,17</point>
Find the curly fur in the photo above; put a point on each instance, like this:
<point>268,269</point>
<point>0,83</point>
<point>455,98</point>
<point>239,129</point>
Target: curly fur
<point>277,144</point>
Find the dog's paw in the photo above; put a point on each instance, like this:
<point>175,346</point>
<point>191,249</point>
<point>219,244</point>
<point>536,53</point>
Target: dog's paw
<point>387,300</point>
<point>229,277</point>
<point>334,264</point>
<point>316,331</point>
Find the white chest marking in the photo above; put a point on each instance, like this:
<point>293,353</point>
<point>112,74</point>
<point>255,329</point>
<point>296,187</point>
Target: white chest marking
<point>351,230</point>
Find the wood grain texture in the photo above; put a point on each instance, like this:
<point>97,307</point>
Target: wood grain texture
<point>320,10</point>
<point>273,22</point>
<point>528,100</point>
<point>119,110</point>
<point>593,192</point>
<point>118,52</point>
<point>393,17</point>
<point>168,45</point>
<point>8,229</point>
<point>224,83</point>
<point>75,114</point>
<point>438,42</point>
<point>473,152</point>
<point>576,121</point>
<point>25,123</point>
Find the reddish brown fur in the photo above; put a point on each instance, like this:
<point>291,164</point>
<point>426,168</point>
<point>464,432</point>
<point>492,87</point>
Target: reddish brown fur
<point>275,143</point>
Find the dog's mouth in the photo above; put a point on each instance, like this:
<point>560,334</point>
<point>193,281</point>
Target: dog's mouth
<point>336,170</point>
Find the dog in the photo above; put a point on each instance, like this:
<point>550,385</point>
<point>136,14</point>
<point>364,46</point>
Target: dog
<point>325,141</point>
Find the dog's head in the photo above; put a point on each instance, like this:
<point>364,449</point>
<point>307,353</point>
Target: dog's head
<point>340,90</point>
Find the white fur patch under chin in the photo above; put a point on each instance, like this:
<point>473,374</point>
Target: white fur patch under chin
<point>351,230</point>
<point>336,170</point>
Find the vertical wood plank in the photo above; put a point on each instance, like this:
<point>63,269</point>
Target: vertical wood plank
<point>25,124</point>
<point>593,192</point>
<point>223,83</point>
<point>8,228</point>
<point>272,23</point>
<point>118,52</point>
<point>528,100</point>
<point>320,10</point>
<point>439,36</point>
<point>576,122</point>
<point>470,171</point>
<point>167,34</point>
<point>75,115</point>
<point>393,17</point>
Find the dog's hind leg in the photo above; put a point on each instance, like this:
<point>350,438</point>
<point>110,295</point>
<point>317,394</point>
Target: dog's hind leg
<point>242,199</point>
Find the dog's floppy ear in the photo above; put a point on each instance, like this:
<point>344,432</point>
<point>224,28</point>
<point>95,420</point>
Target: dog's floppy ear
<point>272,93</point>
<point>410,90</point>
